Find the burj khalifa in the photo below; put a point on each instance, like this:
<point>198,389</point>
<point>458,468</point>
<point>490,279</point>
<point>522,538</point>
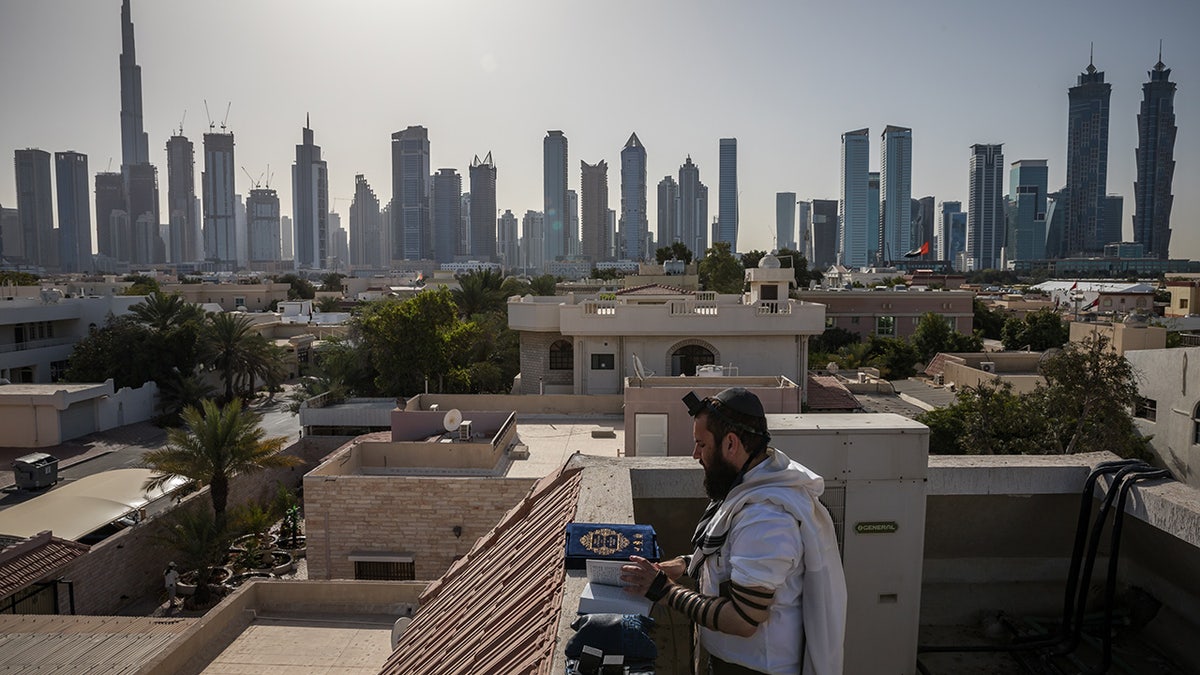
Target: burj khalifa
<point>141,242</point>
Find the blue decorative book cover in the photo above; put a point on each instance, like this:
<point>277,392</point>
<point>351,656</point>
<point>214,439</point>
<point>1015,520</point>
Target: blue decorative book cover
<point>609,541</point>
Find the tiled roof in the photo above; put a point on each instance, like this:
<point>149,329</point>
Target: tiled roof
<point>34,559</point>
<point>497,609</point>
<point>826,393</point>
<point>654,289</point>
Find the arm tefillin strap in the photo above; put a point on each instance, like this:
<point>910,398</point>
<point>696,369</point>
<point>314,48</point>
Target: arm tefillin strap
<point>752,605</point>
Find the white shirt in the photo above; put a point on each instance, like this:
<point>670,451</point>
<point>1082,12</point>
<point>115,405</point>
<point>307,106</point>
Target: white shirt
<point>764,549</point>
<point>171,577</point>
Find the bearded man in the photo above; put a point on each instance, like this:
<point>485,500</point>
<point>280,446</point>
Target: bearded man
<point>772,593</point>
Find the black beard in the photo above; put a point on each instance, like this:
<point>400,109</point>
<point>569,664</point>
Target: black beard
<point>719,479</point>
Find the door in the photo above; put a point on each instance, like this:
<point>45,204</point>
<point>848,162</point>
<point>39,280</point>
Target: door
<point>651,435</point>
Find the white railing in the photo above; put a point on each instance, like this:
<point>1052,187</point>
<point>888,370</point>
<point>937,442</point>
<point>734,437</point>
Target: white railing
<point>765,307</point>
<point>599,308</point>
<point>35,344</point>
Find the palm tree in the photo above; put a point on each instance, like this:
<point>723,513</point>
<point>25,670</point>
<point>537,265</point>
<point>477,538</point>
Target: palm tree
<point>543,285</point>
<point>180,391</point>
<point>162,312</point>
<point>201,543</point>
<point>214,445</point>
<point>232,346</point>
<point>478,292</point>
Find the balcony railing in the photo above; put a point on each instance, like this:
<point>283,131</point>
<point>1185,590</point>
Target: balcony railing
<point>765,307</point>
<point>35,344</point>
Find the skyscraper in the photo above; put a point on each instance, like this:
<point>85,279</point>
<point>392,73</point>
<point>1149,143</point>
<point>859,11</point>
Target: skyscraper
<point>366,246</point>
<point>141,177</point>
<point>483,209</point>
<point>940,246</point>
<point>1155,155</point>
<point>924,216</point>
<point>785,220</point>
<point>693,209</point>
<point>262,225</point>
<point>74,212</point>
<point>634,224</point>
<point>874,222</point>
<point>554,191</point>
<point>593,183</point>
<point>508,240</point>
<point>824,233</point>
<point>1087,163</point>
<point>411,222</point>
<point>110,209</point>
<point>853,209</point>
<point>447,214</point>
<point>533,234</point>
<point>181,192</point>
<point>310,203</point>
<point>572,220</point>
<point>668,212</point>
<point>338,245</point>
<point>286,236</point>
<point>727,207</point>
<point>895,188</point>
<point>220,227</point>
<point>1110,229</point>
<point>36,208</point>
<point>985,207</point>
<point>1027,185</point>
<point>803,240</point>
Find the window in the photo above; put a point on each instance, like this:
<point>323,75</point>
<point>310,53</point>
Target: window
<point>885,325</point>
<point>686,358</point>
<point>1183,303</point>
<point>854,319</point>
<point>1146,408</point>
<point>562,355</point>
<point>385,570</point>
<point>58,370</point>
<point>603,361</point>
<point>830,322</point>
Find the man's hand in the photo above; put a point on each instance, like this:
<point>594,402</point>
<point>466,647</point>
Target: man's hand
<point>639,574</point>
<point>674,568</point>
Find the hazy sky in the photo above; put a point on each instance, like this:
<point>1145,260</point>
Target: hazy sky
<point>784,78</point>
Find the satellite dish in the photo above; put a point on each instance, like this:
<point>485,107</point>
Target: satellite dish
<point>399,628</point>
<point>640,370</point>
<point>452,420</point>
<point>831,367</point>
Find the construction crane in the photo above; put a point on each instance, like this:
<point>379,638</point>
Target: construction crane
<point>210,122</point>
<point>253,182</point>
<point>227,107</point>
<point>269,177</point>
<point>181,121</point>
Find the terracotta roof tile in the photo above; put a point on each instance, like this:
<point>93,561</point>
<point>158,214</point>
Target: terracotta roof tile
<point>25,563</point>
<point>496,610</point>
<point>826,393</point>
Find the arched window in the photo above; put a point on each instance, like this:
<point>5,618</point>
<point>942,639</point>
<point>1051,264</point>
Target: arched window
<point>685,359</point>
<point>562,355</point>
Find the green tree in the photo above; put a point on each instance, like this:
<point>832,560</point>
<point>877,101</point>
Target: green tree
<point>1091,391</point>
<point>720,271</point>
<point>515,286</point>
<point>142,285</point>
<point>832,340</point>
<point>230,343</point>
<point>933,334</point>
<point>795,259</point>
<point>214,445</point>
<point>750,259</point>
<point>178,391</point>
<point>161,312</point>
<point>117,350</point>
<point>332,282</point>
<point>327,304</point>
<point>543,285</point>
<point>18,279</point>
<point>1040,330</point>
<point>677,251</point>
<point>988,322</point>
<point>606,274</point>
<point>853,356</point>
<point>895,358</point>
<point>300,288</point>
<point>410,340</point>
<point>479,292</point>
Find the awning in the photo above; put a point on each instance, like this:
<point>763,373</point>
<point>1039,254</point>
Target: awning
<point>83,506</point>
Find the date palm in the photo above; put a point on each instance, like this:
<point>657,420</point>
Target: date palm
<point>214,445</point>
<point>161,311</point>
<point>234,348</point>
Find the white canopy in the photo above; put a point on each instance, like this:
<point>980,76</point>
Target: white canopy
<point>83,506</point>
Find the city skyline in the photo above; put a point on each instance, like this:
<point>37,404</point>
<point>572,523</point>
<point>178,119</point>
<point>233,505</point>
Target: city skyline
<point>79,62</point>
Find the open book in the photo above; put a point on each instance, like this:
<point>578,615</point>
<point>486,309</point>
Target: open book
<point>604,593</point>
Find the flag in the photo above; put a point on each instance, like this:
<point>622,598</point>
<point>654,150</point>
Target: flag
<point>1074,286</point>
<point>922,250</point>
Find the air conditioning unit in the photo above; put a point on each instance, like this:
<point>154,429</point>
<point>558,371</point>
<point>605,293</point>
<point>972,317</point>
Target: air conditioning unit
<point>875,468</point>
<point>939,379</point>
<point>988,366</point>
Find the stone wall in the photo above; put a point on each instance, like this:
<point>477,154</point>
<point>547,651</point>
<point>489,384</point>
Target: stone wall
<point>401,515</point>
<point>535,363</point>
<point>128,566</point>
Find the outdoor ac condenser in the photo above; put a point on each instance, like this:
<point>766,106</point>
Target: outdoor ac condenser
<point>875,468</point>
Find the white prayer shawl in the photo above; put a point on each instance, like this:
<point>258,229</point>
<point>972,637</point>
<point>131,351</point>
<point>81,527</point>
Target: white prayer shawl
<point>795,488</point>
